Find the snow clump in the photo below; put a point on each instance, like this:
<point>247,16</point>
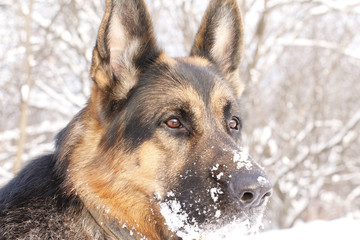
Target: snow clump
<point>242,160</point>
<point>177,220</point>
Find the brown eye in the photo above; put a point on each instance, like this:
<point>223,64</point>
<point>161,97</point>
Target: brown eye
<point>234,123</point>
<point>173,123</point>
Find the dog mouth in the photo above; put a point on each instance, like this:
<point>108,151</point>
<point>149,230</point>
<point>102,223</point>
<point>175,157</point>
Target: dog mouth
<point>200,219</point>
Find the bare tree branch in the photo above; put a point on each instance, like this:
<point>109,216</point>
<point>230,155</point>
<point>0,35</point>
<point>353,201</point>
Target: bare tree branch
<point>25,91</point>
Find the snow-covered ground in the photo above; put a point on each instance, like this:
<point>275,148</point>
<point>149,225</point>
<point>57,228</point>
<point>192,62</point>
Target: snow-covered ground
<point>339,229</point>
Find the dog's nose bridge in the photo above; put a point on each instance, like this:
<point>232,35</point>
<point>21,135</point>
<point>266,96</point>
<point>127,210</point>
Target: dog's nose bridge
<point>222,142</point>
<point>230,154</point>
<point>222,150</point>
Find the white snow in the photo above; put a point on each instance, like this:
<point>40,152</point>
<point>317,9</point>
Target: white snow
<point>345,228</point>
<point>214,192</point>
<point>234,230</point>
<point>218,213</point>
<point>262,180</point>
<point>177,220</point>
<point>25,89</point>
<point>242,160</point>
<point>216,167</point>
<point>219,175</point>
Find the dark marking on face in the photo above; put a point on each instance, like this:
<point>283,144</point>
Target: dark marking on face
<point>162,84</point>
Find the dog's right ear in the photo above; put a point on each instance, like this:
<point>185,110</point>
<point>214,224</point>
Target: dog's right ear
<point>125,46</point>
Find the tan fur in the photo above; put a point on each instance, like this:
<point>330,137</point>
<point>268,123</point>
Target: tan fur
<point>219,98</point>
<point>239,87</point>
<point>197,61</point>
<point>121,190</point>
<point>97,72</point>
<point>165,59</point>
<point>222,35</point>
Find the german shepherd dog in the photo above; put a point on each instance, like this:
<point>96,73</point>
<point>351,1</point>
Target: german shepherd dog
<point>155,152</point>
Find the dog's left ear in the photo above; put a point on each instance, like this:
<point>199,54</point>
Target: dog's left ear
<point>220,39</point>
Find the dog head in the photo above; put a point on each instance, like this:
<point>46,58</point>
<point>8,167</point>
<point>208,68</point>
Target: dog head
<point>160,136</point>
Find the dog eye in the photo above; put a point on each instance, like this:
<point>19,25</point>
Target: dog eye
<point>173,123</point>
<point>235,123</point>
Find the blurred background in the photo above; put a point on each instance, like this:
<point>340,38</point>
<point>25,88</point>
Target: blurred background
<point>301,68</point>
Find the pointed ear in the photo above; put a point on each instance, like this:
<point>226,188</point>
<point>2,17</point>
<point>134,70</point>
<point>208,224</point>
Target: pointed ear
<point>125,46</point>
<point>220,39</point>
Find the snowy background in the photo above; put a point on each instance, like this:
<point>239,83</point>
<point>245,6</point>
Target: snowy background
<point>337,229</point>
<point>301,106</point>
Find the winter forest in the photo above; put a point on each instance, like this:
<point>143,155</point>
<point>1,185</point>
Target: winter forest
<point>301,105</point>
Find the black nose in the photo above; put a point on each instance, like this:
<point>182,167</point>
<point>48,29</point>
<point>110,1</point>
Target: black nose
<point>249,189</point>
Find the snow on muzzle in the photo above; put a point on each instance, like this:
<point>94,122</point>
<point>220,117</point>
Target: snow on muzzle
<point>230,191</point>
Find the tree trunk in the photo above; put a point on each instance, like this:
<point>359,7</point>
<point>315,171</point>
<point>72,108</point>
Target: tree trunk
<point>25,92</point>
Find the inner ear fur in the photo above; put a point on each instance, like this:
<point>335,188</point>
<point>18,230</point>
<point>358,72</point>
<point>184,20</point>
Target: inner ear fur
<point>125,46</point>
<point>220,39</point>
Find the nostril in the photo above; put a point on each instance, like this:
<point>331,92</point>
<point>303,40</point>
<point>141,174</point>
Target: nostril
<point>267,194</point>
<point>247,197</point>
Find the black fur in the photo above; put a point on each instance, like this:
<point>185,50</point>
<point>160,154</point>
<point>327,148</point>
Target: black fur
<point>36,204</point>
<point>34,181</point>
<point>34,201</point>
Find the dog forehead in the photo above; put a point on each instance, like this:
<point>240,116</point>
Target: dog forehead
<point>192,77</point>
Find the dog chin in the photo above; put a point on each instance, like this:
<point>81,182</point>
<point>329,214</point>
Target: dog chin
<point>224,225</point>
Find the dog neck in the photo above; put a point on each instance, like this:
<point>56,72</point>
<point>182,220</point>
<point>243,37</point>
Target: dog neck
<point>112,228</point>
